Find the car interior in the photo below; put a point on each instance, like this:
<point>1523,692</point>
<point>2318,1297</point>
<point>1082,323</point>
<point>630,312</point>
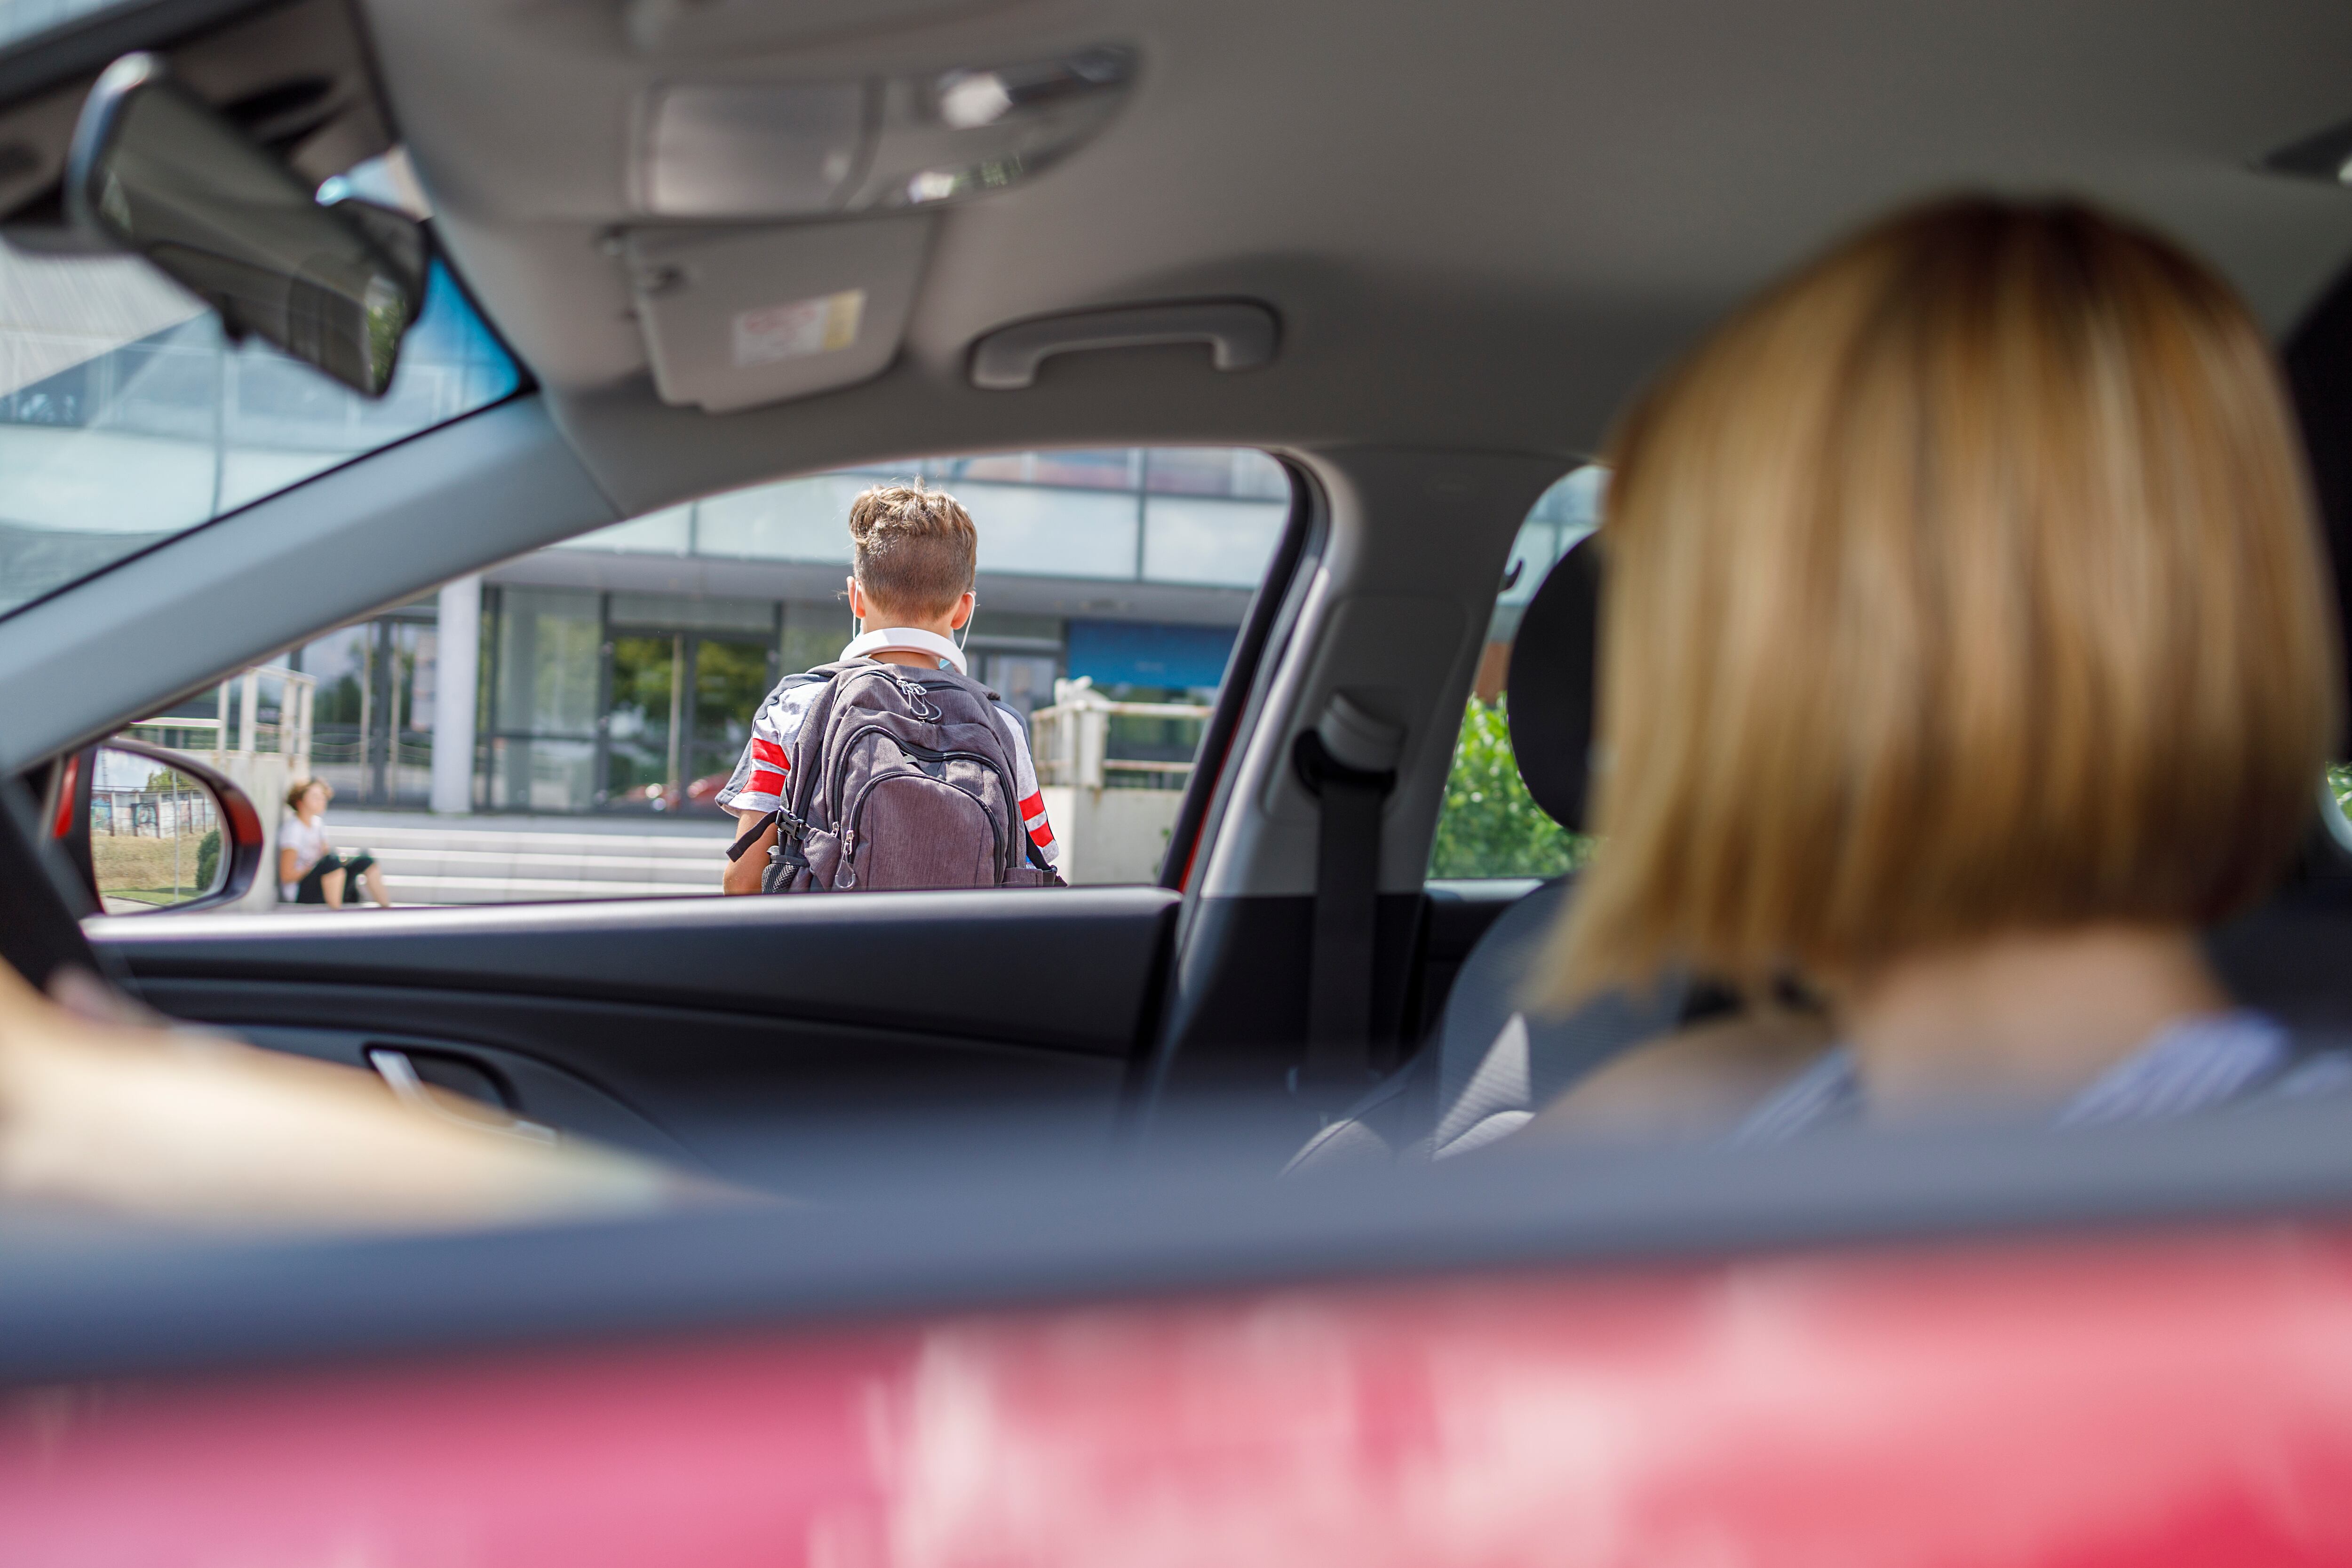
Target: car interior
<point>1420,257</point>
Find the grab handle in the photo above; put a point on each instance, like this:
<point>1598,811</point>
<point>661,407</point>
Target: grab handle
<point>1240,335</point>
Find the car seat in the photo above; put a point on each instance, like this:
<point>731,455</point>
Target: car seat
<point>1492,1063</point>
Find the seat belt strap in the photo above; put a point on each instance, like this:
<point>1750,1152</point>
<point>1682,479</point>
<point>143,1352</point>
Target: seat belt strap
<point>1347,911</point>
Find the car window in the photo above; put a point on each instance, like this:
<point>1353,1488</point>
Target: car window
<point>1490,826</point>
<point>565,725</point>
<point>28,18</point>
<point>127,416</point>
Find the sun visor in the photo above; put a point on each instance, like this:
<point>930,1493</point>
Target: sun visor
<point>737,317</point>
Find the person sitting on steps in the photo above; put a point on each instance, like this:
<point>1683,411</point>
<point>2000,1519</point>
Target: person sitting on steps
<point>309,869</point>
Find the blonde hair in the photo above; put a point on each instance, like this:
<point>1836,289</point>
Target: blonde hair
<point>917,551</point>
<point>1967,581</point>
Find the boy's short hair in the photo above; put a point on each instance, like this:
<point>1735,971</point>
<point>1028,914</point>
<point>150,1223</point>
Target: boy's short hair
<point>917,550</point>
<point>1967,584</point>
<point>295,792</point>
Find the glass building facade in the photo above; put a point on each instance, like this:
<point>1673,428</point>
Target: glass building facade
<point>620,670</point>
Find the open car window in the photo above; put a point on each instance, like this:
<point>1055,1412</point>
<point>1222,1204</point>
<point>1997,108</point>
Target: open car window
<point>127,415</point>
<point>569,724</point>
<point>1489,826</point>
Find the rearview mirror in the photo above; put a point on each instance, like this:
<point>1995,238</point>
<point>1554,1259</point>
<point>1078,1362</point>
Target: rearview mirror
<point>155,170</point>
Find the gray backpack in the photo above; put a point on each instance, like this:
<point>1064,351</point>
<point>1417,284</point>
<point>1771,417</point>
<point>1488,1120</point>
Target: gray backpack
<point>901,778</point>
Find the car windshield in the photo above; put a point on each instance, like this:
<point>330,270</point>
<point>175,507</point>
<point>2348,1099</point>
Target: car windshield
<point>127,415</point>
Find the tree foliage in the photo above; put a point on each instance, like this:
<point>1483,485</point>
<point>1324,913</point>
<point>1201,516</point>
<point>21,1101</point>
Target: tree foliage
<point>1490,826</point>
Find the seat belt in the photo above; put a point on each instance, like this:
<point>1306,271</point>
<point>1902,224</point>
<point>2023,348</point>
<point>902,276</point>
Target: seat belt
<point>1348,762</point>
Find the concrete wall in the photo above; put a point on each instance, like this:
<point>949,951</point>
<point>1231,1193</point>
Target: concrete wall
<point>1111,834</point>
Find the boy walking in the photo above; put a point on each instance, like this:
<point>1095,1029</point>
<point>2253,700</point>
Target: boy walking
<point>892,767</point>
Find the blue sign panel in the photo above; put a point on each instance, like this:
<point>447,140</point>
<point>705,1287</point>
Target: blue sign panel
<point>1144,653</point>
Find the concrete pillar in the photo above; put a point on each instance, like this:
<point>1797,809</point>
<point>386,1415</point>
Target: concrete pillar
<point>457,652</point>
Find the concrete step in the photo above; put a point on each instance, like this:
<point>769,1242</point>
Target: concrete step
<point>493,863</point>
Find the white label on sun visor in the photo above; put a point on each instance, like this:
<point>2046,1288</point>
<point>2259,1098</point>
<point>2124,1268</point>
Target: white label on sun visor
<point>800,328</point>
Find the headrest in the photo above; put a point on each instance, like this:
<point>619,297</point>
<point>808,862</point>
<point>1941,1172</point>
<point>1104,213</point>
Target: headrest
<point>1553,661</point>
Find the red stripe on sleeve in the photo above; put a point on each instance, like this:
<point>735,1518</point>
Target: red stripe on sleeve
<point>768,752</point>
<point>764,783</point>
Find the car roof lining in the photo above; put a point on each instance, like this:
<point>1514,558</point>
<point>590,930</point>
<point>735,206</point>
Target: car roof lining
<point>1524,210</point>
<point>1481,230</point>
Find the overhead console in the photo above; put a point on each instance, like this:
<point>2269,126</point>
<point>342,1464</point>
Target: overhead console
<point>735,316</point>
<point>806,149</point>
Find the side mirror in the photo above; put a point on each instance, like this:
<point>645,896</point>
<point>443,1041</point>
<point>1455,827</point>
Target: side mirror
<point>151,829</point>
<point>155,170</point>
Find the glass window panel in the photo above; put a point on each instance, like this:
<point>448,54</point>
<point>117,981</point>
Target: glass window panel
<point>1188,540</point>
<point>1040,531</point>
<point>408,777</point>
<point>639,764</point>
<point>799,520</point>
<point>1008,468</point>
<point>669,531</point>
<point>1239,471</point>
<point>343,664</point>
<point>548,660</point>
<point>1115,469</point>
<point>731,679</point>
<point>815,631</point>
<point>694,613</point>
<point>530,773</point>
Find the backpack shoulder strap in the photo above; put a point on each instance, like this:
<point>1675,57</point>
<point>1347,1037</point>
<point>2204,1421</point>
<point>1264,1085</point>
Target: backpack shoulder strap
<point>809,742</point>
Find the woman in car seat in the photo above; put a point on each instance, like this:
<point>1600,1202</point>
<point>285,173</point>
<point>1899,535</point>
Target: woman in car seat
<point>1964,653</point>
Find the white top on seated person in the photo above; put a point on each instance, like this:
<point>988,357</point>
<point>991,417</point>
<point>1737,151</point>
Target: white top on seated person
<point>302,842</point>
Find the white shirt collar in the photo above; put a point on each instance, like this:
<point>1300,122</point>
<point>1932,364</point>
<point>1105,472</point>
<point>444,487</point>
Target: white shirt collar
<point>912,639</point>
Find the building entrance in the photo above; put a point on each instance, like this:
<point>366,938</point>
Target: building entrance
<point>677,712</point>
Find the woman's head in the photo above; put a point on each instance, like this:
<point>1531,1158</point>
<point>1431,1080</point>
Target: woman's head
<point>1965,583</point>
<point>308,797</point>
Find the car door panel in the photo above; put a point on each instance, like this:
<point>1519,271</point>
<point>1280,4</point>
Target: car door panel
<point>516,1082</point>
<point>667,1022</point>
<point>1065,968</point>
<point>669,1062</point>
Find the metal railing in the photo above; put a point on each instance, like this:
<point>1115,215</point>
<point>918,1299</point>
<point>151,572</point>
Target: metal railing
<point>1071,738</point>
<point>289,737</point>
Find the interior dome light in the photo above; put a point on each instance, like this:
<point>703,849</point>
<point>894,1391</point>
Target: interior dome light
<point>752,149</point>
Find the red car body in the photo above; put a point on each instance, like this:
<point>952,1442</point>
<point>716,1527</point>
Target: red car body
<point>2154,1401</point>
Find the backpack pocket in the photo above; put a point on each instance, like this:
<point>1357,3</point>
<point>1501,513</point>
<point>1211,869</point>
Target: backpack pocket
<point>912,830</point>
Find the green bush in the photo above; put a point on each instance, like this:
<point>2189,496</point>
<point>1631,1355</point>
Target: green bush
<point>207,860</point>
<point>1490,826</point>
